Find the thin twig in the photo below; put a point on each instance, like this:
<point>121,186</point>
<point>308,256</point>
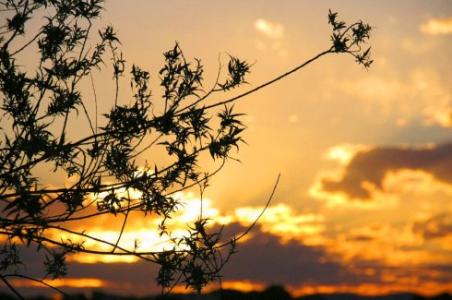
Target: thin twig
<point>12,289</point>
<point>123,223</point>
<point>39,281</point>
<point>253,90</point>
<point>236,239</point>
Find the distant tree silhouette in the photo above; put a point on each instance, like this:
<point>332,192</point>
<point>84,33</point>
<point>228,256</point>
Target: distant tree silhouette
<point>38,102</point>
<point>442,296</point>
<point>276,292</point>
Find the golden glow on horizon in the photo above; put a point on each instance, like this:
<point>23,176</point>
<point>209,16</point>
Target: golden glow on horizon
<point>241,285</point>
<point>374,289</point>
<point>62,282</point>
<point>429,288</point>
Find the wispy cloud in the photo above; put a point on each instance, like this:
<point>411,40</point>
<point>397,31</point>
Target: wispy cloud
<point>423,97</point>
<point>269,29</point>
<point>437,26</point>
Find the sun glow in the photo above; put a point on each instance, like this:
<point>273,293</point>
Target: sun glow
<point>344,153</point>
<point>141,234</point>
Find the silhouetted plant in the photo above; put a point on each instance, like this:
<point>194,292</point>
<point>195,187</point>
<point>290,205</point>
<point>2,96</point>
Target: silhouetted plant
<point>36,106</point>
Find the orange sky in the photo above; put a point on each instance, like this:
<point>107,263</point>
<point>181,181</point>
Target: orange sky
<point>364,202</point>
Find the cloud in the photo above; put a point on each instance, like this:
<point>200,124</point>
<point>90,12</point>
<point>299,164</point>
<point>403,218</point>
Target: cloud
<point>281,220</point>
<point>302,249</point>
<point>367,170</point>
<point>141,232</point>
<point>438,226</point>
<point>310,269</point>
<point>439,115</point>
<point>62,282</point>
<point>343,153</point>
<point>437,26</point>
<point>263,259</point>
<point>114,277</point>
<point>423,95</point>
<point>269,29</point>
<point>284,222</point>
<point>291,262</point>
<point>378,246</point>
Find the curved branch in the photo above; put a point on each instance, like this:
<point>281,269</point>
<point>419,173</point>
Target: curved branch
<point>11,288</point>
<point>38,281</point>
<point>261,86</point>
<point>267,204</point>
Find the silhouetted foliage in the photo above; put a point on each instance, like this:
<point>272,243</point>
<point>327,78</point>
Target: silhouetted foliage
<point>36,109</point>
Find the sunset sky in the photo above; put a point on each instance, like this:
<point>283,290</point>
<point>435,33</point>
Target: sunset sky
<point>364,203</point>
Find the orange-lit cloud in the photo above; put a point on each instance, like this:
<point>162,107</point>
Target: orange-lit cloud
<point>355,261</point>
<point>439,115</point>
<point>291,240</point>
<point>294,264</point>
<point>62,282</point>
<point>341,258</point>
<point>393,204</point>
<point>437,26</point>
<point>367,170</point>
<point>374,289</point>
<point>383,246</point>
<point>284,222</point>
<point>279,220</point>
<point>239,285</point>
<point>437,226</point>
<point>141,231</point>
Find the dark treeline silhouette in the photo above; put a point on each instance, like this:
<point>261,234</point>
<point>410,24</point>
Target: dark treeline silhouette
<point>271,293</point>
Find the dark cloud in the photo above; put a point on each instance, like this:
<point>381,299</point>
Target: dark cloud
<point>437,226</point>
<point>360,238</point>
<point>261,258</point>
<point>120,278</point>
<point>372,166</point>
